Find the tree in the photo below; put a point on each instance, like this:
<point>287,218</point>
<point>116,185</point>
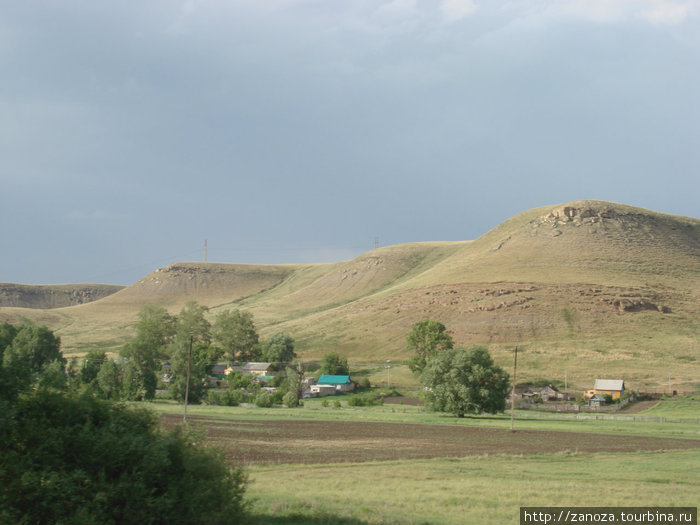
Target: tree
<point>294,384</point>
<point>7,334</point>
<point>278,349</point>
<point>81,460</point>
<point>234,332</point>
<point>462,382</point>
<point>154,331</point>
<point>426,339</point>
<point>91,366</point>
<point>333,364</point>
<point>33,351</point>
<point>193,331</point>
<point>109,380</point>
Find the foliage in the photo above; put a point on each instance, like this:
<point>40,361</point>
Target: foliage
<point>263,399</point>
<point>235,334</point>
<point>81,460</point>
<point>365,400</point>
<point>154,331</point>
<point>291,399</point>
<point>294,382</point>
<point>334,364</point>
<point>192,332</point>
<point>425,340</point>
<point>462,382</point>
<point>278,349</point>
<point>32,357</point>
<point>108,380</point>
<point>237,379</point>
<point>91,366</point>
<point>226,397</point>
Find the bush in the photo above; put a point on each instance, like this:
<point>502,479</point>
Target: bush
<point>325,403</point>
<point>263,399</point>
<point>336,404</point>
<point>229,398</point>
<point>365,400</point>
<point>364,383</point>
<point>290,399</point>
<point>79,460</point>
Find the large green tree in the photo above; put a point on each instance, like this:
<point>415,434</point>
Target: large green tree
<point>426,339</point>
<point>143,354</point>
<point>235,334</point>
<point>192,334</point>
<point>334,364</point>
<point>32,358</point>
<point>460,382</point>
<point>278,349</point>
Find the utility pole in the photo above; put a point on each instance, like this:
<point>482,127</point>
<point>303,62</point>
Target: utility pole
<point>187,385</point>
<point>566,381</point>
<point>512,392</point>
<point>205,250</point>
<point>376,243</point>
<point>388,373</point>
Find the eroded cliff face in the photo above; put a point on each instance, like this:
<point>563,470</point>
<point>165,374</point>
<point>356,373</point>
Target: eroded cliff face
<point>53,296</point>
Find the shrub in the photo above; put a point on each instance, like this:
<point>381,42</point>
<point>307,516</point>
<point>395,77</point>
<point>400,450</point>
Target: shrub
<point>82,460</point>
<point>291,400</point>
<point>263,399</point>
<point>336,404</point>
<point>229,398</point>
<point>325,403</point>
<point>365,400</point>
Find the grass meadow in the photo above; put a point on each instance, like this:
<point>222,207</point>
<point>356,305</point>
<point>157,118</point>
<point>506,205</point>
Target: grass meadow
<point>484,489</point>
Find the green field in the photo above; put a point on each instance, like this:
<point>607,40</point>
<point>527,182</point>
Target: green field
<point>481,490</point>
<point>484,489</point>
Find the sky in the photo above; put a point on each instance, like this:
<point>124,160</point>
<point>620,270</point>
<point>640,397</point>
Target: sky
<point>296,131</point>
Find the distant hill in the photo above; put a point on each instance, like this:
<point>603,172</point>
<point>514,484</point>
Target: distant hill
<point>53,295</point>
<point>587,288</point>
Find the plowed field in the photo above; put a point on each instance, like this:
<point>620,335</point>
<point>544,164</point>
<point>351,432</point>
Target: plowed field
<point>247,442</point>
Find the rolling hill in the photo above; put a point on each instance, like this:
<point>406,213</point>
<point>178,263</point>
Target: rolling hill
<point>586,289</point>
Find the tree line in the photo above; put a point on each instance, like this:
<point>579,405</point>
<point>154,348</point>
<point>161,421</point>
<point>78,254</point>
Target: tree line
<point>186,339</point>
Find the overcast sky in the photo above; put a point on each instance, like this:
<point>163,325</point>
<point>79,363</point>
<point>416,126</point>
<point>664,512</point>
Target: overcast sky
<point>300,130</point>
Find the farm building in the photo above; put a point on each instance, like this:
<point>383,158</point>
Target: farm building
<point>322,390</point>
<point>614,387</point>
<point>340,383</point>
<point>596,400</point>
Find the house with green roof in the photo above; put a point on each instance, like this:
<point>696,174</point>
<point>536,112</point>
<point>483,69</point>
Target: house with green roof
<point>333,384</point>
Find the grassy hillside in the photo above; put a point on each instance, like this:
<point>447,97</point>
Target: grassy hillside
<point>586,289</point>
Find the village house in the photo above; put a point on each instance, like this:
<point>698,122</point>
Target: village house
<point>328,385</point>
<point>615,388</point>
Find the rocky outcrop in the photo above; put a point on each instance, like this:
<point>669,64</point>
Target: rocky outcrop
<point>53,296</point>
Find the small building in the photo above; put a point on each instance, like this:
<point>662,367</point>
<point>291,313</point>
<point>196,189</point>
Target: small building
<point>614,387</point>
<point>340,383</point>
<point>322,390</point>
<point>596,400</point>
<point>552,393</point>
<point>258,369</point>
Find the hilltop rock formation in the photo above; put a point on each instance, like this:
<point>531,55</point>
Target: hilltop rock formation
<point>53,296</point>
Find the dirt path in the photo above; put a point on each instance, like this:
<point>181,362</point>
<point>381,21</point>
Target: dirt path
<point>278,441</point>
